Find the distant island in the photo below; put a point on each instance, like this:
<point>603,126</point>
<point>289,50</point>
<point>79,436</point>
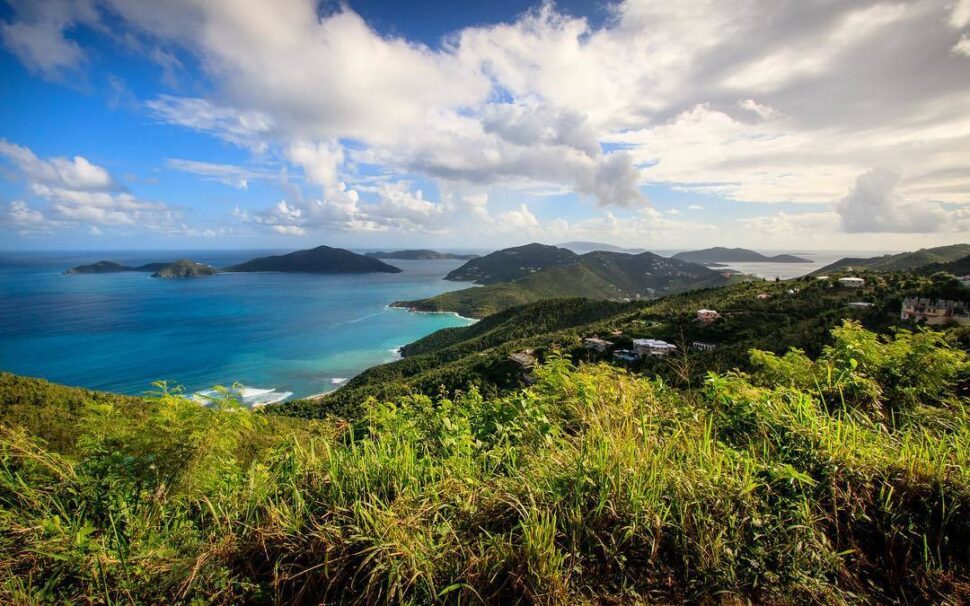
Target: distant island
<point>421,254</point>
<point>110,267</point>
<point>581,247</point>
<point>720,254</point>
<point>184,268</point>
<point>319,260</point>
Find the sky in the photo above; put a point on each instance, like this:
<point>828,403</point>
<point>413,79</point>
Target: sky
<point>772,124</point>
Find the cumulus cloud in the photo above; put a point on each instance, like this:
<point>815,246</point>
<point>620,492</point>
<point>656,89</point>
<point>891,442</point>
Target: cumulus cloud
<point>702,96</point>
<point>79,192</point>
<point>875,205</point>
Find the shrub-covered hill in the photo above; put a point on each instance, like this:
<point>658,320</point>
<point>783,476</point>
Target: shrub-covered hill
<point>840,480</point>
<point>594,275</point>
<point>901,261</point>
<point>478,355</point>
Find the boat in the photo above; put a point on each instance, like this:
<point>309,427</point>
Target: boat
<point>250,397</point>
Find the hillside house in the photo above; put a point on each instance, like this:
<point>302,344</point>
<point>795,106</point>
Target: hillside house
<point>700,346</point>
<point>596,344</point>
<point>860,305</point>
<point>706,316</point>
<point>653,347</point>
<point>934,312</point>
<point>851,282</point>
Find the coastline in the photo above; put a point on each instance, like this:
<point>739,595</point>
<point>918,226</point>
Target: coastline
<point>423,311</point>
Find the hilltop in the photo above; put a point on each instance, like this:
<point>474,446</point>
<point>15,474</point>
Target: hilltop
<point>418,254</point>
<point>901,261</point>
<point>720,254</point>
<point>595,275</point>
<point>322,259</point>
<point>184,268</point>
<point>511,264</point>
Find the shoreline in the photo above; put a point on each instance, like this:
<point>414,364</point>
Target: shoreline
<point>423,311</point>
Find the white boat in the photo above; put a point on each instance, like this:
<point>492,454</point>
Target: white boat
<point>250,397</point>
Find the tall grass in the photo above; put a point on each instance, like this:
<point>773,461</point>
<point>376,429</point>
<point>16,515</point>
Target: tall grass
<point>835,480</point>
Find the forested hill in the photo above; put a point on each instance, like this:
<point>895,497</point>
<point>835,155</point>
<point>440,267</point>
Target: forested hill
<point>767,315</point>
<point>595,275</point>
<point>901,261</point>
<point>322,259</point>
<point>511,264</point>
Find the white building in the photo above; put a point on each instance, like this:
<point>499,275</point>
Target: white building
<point>860,305</point>
<point>700,346</point>
<point>653,347</point>
<point>851,282</point>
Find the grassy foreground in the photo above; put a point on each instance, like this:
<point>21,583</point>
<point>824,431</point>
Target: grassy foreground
<point>840,480</point>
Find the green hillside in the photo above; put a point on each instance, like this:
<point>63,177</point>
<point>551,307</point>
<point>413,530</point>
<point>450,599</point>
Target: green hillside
<point>478,355</point>
<point>595,275</point>
<point>836,478</point>
<point>902,261</point>
<point>511,264</point>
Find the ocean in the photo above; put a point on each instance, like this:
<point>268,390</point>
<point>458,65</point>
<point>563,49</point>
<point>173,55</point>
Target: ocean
<point>120,332</point>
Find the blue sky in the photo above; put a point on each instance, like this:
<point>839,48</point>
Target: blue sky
<point>191,124</point>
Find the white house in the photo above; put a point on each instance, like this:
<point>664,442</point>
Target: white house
<point>851,282</point>
<point>860,304</point>
<point>653,347</point>
<point>699,346</point>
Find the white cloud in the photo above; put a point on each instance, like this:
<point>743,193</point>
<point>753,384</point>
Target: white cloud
<point>962,47</point>
<point>874,205</point>
<point>227,174</point>
<point>79,192</point>
<point>246,129</point>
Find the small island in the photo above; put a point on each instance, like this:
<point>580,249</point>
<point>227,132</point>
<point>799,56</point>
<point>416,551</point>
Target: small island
<point>422,254</point>
<point>720,255</point>
<point>319,260</point>
<point>110,267</point>
<point>184,268</point>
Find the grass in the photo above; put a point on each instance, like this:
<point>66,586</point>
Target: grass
<point>834,480</point>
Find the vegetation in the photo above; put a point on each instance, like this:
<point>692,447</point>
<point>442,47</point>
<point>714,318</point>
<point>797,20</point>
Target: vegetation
<point>110,267</point>
<point>595,275</point>
<point>322,259</point>
<point>767,315</point>
<point>840,479</point>
<point>902,261</point>
<point>719,254</point>
<point>511,264</point>
<point>183,268</point>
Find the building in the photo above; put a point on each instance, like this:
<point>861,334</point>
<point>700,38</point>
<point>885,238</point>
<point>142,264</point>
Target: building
<point>763,296</point>
<point>706,316</point>
<point>596,344</point>
<point>851,282</point>
<point>934,312</point>
<point>700,346</point>
<point>860,305</point>
<point>653,347</point>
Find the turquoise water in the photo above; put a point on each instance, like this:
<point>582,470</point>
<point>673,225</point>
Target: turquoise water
<point>120,332</point>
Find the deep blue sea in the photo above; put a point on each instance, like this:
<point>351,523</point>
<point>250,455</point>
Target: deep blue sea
<point>120,332</point>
